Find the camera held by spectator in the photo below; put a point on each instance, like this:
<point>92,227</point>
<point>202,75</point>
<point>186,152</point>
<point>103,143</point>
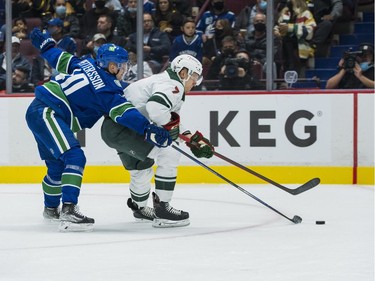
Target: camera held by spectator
<point>350,58</point>
<point>237,74</point>
<point>236,67</point>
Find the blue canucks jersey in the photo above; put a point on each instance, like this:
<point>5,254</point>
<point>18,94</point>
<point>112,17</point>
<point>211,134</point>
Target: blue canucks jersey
<point>207,22</point>
<point>83,92</point>
<point>180,46</point>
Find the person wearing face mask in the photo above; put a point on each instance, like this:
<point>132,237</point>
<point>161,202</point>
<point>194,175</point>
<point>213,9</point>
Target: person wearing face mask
<point>90,19</point>
<point>127,21</point>
<point>63,41</point>
<point>207,22</point>
<point>256,43</point>
<point>65,12</point>
<point>237,73</point>
<point>228,48</point>
<point>356,70</point>
<point>93,46</point>
<point>85,92</point>
<point>245,19</point>
<point>212,44</point>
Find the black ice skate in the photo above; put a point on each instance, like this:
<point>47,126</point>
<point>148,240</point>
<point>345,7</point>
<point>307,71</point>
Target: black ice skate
<point>167,216</point>
<point>141,214</point>
<point>51,214</point>
<point>72,220</point>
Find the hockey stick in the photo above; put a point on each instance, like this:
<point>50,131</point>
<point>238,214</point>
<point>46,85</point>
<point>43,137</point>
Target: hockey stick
<point>306,186</point>
<point>296,219</point>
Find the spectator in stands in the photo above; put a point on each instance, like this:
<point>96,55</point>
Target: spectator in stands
<point>168,19</point>
<point>25,9</point>
<point>356,70</point>
<point>245,19</point>
<point>256,43</point>
<point>325,14</point>
<point>183,6</point>
<point>188,43</point>
<point>106,26</point>
<point>228,50</point>
<point>296,27</point>
<point>148,7</point>
<point>236,73</point>
<point>65,12</point>
<point>115,6</point>
<point>156,44</point>
<point>17,60</point>
<point>212,43</point>
<point>63,41</point>
<point>19,28</point>
<point>132,74</point>
<point>206,24</point>
<point>41,70</point>
<point>127,21</point>
<point>93,46</point>
<point>20,80</point>
<point>90,19</point>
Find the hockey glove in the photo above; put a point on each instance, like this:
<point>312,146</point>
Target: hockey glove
<point>173,126</point>
<point>41,40</point>
<point>200,146</point>
<point>157,136</point>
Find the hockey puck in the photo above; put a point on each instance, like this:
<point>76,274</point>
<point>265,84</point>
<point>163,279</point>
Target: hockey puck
<point>320,222</point>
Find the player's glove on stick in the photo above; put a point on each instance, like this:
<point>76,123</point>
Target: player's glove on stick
<point>200,146</point>
<point>173,126</point>
<point>157,136</point>
<point>41,40</point>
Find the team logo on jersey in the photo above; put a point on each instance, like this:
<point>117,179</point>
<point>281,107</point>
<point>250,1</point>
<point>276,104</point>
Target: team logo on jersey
<point>176,90</point>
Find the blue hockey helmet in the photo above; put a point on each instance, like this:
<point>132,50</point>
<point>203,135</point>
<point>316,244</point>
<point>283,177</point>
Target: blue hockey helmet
<point>111,53</point>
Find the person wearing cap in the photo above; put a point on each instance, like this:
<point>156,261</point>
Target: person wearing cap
<point>93,46</point>
<point>63,41</point>
<point>65,12</point>
<point>17,60</point>
<point>356,70</point>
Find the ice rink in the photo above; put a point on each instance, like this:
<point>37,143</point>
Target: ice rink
<point>231,237</point>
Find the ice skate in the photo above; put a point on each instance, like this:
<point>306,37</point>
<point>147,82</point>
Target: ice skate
<point>51,214</point>
<point>141,214</point>
<point>167,216</point>
<point>72,220</point>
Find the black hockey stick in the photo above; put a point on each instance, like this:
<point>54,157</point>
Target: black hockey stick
<point>296,219</point>
<point>306,186</point>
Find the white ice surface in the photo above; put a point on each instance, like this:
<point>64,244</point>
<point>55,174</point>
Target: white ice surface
<point>232,237</point>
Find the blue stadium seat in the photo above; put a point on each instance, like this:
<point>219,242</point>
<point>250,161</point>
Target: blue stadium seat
<point>323,74</point>
<point>356,38</point>
<point>326,62</point>
<point>364,27</point>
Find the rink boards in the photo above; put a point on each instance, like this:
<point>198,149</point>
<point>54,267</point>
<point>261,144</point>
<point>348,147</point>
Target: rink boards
<point>287,136</point>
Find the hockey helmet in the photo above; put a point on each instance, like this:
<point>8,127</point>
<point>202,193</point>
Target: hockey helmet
<point>190,63</point>
<point>111,53</point>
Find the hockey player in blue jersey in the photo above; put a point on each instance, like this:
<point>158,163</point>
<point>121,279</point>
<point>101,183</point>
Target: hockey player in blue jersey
<point>83,92</point>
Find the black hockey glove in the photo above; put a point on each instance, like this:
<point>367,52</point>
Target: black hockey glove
<point>200,146</point>
<point>173,126</point>
<point>157,136</point>
<point>41,40</point>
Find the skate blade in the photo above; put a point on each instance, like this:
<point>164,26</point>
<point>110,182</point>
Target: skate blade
<point>142,220</point>
<point>163,223</point>
<point>50,221</point>
<point>67,226</point>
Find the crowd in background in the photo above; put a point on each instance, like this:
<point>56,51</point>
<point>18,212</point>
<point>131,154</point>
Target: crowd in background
<point>231,46</point>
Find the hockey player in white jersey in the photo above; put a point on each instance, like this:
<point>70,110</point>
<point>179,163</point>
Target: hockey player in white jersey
<point>159,98</point>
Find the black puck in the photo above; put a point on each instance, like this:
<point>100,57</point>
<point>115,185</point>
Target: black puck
<point>320,222</point>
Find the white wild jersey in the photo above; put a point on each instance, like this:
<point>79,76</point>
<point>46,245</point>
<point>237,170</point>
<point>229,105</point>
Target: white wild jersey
<point>157,96</point>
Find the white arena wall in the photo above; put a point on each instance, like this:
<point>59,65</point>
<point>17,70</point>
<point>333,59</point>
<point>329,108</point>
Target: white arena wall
<point>289,137</point>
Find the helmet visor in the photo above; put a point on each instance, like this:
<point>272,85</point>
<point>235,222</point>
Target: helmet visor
<point>197,78</point>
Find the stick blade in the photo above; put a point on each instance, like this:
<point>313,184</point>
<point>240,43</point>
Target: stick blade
<point>306,186</point>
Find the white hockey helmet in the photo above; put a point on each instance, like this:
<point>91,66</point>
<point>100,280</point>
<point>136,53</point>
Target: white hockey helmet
<point>190,63</point>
